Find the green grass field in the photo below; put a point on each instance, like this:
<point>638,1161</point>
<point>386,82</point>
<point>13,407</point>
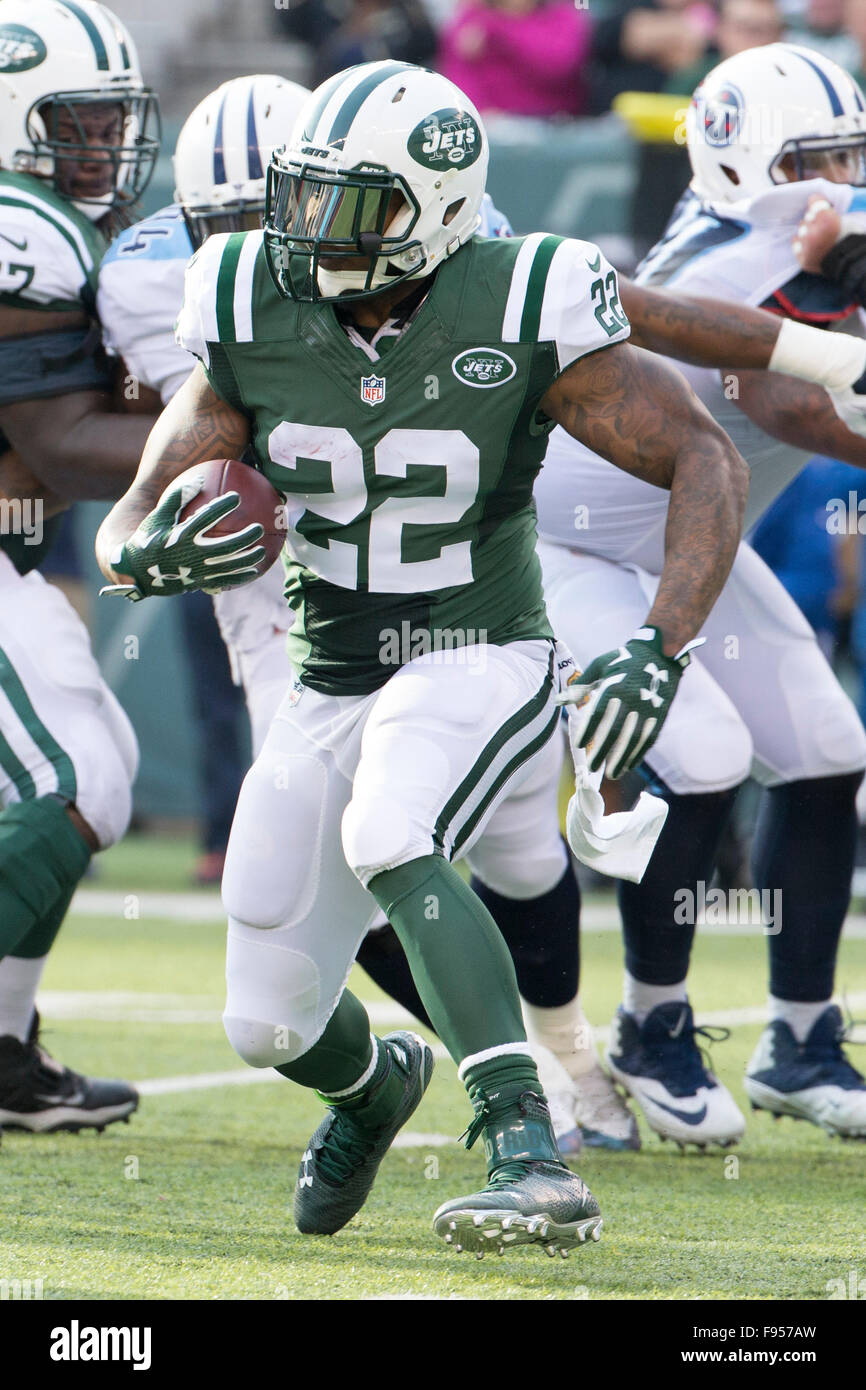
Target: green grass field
<point>192,1199</point>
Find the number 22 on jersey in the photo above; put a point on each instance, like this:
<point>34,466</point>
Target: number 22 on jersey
<point>321,471</point>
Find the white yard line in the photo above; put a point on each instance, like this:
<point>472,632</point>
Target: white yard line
<point>200,906</point>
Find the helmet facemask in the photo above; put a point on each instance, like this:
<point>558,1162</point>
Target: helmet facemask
<point>837,158</point>
<point>359,220</point>
<point>98,148</point>
<point>243,215</point>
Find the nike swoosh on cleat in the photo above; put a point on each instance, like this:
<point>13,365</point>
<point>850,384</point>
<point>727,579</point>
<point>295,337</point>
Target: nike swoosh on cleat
<point>596,264</point>
<point>688,1117</point>
<point>75,1099</point>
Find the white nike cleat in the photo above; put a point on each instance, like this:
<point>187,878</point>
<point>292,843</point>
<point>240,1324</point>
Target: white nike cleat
<point>812,1080</point>
<point>604,1118</point>
<point>559,1090</point>
<point>659,1063</point>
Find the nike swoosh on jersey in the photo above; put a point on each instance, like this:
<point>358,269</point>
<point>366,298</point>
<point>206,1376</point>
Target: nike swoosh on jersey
<point>596,264</point>
<point>688,1117</point>
<point>19,245</point>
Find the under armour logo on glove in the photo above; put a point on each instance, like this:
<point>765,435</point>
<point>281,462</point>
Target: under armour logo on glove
<point>656,677</point>
<point>159,579</point>
<point>611,696</point>
<point>194,559</point>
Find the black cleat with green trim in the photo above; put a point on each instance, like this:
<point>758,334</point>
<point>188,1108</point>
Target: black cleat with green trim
<point>40,1095</point>
<point>527,1200</point>
<point>340,1162</point>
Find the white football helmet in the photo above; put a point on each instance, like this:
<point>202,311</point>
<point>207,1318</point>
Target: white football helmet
<point>224,149</point>
<point>771,115</point>
<point>383,177</point>
<point>72,100</point>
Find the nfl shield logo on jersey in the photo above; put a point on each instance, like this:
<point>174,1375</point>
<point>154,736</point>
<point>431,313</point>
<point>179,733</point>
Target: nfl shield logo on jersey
<point>372,389</point>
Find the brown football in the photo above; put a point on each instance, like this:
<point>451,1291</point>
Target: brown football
<point>259,502</point>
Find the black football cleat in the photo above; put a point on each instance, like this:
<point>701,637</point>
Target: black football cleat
<point>40,1095</point>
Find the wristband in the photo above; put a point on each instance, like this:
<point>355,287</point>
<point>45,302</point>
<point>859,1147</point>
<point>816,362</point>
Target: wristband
<point>832,360</point>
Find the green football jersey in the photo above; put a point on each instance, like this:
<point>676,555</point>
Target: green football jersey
<point>408,475</point>
<point>49,260</point>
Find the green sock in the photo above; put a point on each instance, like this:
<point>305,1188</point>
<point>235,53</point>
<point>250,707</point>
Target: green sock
<point>42,858</point>
<point>460,964</point>
<point>341,1055</point>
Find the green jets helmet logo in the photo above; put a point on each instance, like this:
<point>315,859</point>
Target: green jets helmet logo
<point>446,137</point>
<point>483,367</point>
<point>20,48</point>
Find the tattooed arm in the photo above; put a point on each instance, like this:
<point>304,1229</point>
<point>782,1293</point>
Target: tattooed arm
<point>639,413</point>
<point>798,413</point>
<point>705,332</point>
<point>196,425</point>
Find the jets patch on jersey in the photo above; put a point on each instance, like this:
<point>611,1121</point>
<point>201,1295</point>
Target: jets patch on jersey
<point>139,297</point>
<point>49,252</point>
<point>408,477</point>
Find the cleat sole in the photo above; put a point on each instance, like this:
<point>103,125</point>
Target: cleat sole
<point>512,1227</point>
<point>776,1104</point>
<point>66,1118</point>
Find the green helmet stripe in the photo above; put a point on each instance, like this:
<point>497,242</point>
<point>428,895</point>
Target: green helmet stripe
<point>225,287</point>
<point>326,91</point>
<point>531,319</point>
<point>356,98</point>
<point>114,25</point>
<point>92,33</point>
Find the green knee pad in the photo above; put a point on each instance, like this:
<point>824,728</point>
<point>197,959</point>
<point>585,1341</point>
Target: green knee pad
<point>42,858</point>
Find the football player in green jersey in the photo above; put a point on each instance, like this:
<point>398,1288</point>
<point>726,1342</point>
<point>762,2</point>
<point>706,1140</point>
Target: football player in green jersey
<point>396,380</point>
<point>76,148</point>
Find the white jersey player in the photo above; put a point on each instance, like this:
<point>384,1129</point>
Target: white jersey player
<point>77,145</point>
<point>760,698</point>
<point>222,153</point>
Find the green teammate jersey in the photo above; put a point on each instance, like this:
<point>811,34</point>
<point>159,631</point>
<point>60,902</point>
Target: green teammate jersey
<point>49,260</point>
<point>408,478</point>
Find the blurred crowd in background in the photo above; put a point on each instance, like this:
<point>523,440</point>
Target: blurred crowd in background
<point>550,64</point>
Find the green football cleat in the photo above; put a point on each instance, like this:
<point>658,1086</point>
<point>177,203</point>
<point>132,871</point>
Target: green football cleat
<point>340,1163</point>
<point>523,1203</point>
<point>530,1198</point>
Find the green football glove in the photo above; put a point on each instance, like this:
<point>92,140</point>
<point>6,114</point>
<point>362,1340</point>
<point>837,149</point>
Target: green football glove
<point>623,698</point>
<point>165,556</point>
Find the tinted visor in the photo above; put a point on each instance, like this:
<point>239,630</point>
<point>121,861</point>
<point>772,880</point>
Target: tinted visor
<point>841,159</point>
<point>309,207</point>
